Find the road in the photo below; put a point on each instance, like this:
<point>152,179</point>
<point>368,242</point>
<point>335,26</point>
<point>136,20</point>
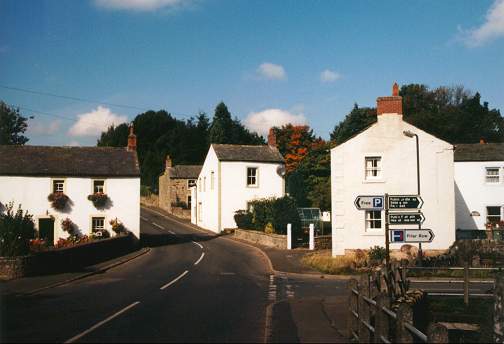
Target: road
<point>190,287</point>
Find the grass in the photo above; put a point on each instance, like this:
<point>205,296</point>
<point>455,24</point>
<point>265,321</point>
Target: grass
<point>479,274</point>
<point>324,262</point>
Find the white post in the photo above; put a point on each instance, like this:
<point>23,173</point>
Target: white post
<point>289,236</point>
<point>312,236</point>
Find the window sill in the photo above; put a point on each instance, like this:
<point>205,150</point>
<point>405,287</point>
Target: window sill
<point>373,181</point>
<point>378,233</point>
<point>253,186</point>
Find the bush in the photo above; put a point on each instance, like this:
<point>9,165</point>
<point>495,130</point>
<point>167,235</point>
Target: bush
<point>275,211</point>
<point>59,200</point>
<point>145,191</point>
<point>99,199</point>
<point>377,253</point>
<point>68,226</point>
<point>243,219</point>
<point>16,230</point>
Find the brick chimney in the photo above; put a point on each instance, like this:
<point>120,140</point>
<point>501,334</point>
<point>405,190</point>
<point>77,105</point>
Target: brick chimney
<point>132,140</point>
<point>482,141</point>
<point>169,162</point>
<point>390,104</point>
<point>272,138</point>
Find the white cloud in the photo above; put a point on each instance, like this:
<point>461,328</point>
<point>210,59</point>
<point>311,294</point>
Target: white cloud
<point>96,121</point>
<point>140,5</point>
<point>271,71</point>
<point>39,128</point>
<point>491,29</point>
<point>73,144</point>
<point>329,76</point>
<point>262,121</point>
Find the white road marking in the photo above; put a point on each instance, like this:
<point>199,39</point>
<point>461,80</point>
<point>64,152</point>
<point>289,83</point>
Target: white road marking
<point>227,273</point>
<point>175,280</point>
<point>172,232</point>
<point>144,218</point>
<point>91,329</point>
<point>200,258</point>
<point>158,226</point>
<point>188,225</point>
<point>201,246</point>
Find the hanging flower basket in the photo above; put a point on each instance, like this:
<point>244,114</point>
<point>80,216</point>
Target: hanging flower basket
<point>68,226</point>
<point>99,199</point>
<point>117,226</point>
<point>59,200</point>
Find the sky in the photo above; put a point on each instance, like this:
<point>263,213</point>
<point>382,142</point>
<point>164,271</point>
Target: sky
<point>271,62</point>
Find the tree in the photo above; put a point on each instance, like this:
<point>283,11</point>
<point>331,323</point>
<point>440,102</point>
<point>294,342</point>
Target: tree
<point>220,130</point>
<point>294,143</point>
<point>354,122</point>
<point>114,136</point>
<point>12,126</point>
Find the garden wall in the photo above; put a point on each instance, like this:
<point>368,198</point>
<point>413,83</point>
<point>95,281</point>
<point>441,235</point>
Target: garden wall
<point>68,258</point>
<point>181,212</point>
<point>323,242</point>
<point>261,238</point>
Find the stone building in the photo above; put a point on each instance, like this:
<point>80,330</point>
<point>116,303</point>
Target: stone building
<point>174,188</point>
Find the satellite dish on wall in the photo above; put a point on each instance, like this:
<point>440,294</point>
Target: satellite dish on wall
<point>281,170</point>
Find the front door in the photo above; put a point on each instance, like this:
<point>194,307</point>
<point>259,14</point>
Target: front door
<point>46,230</point>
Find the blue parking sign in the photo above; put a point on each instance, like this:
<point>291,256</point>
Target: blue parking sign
<point>378,202</point>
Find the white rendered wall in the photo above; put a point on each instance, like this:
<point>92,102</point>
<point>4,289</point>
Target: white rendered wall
<point>32,192</point>
<point>473,194</point>
<point>207,198</point>
<point>399,176</point>
<point>236,194</point>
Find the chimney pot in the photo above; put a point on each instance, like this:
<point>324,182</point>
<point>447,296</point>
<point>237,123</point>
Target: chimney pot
<point>482,141</point>
<point>132,141</point>
<point>169,162</point>
<point>272,138</point>
<point>391,104</point>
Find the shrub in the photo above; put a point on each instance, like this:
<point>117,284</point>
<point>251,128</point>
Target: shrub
<point>277,211</point>
<point>59,200</point>
<point>68,226</point>
<point>269,229</point>
<point>16,230</point>
<point>99,199</point>
<point>243,219</point>
<point>377,253</point>
<point>38,245</point>
<point>145,191</point>
<point>179,204</point>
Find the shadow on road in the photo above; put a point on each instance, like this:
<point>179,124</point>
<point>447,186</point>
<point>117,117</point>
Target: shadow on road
<point>164,239</point>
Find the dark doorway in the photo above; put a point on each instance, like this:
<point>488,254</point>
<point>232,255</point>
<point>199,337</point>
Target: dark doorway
<point>46,230</point>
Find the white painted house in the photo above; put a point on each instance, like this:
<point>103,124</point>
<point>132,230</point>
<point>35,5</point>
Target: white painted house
<point>382,159</point>
<point>28,174</point>
<point>479,185</point>
<point>232,176</point>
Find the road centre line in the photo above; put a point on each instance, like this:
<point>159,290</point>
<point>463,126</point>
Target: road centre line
<point>171,219</point>
<point>195,243</point>
<point>144,218</point>
<point>158,226</point>
<point>172,232</point>
<point>94,327</point>
<point>175,280</point>
<point>200,258</point>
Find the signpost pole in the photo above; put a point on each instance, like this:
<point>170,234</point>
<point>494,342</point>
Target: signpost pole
<point>387,234</point>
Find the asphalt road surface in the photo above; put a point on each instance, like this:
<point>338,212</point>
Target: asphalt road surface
<point>191,287</point>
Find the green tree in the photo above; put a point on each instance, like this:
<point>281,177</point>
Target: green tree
<point>115,136</point>
<point>12,126</point>
<point>357,120</point>
<point>220,130</point>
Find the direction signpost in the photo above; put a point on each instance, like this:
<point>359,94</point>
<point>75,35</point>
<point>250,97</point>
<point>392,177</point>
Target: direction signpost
<point>369,202</point>
<point>405,202</point>
<point>411,235</point>
<point>406,218</point>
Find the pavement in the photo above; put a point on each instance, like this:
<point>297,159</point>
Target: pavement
<point>189,286</point>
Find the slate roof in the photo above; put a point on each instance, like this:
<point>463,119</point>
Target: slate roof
<point>479,152</point>
<point>261,153</point>
<point>185,171</point>
<point>68,161</point>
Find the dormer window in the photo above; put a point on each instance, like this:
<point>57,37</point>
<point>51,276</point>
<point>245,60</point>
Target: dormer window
<point>373,167</point>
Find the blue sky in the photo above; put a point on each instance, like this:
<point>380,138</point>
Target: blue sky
<point>269,61</point>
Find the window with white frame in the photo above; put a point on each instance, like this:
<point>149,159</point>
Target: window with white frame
<point>98,186</point>
<point>191,183</point>
<point>494,214</point>
<point>373,167</point>
<point>189,201</point>
<point>252,176</point>
<point>58,185</point>
<point>97,224</point>
<point>212,180</point>
<point>373,219</point>
<point>492,175</point>
<point>204,184</point>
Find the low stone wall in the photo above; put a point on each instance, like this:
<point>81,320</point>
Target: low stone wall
<point>67,259</point>
<point>261,238</point>
<point>323,242</point>
<point>181,212</point>
<point>150,201</point>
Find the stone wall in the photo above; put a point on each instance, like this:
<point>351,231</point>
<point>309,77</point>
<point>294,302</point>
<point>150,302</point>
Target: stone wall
<point>150,201</point>
<point>261,238</point>
<point>14,267</point>
<point>323,242</point>
<point>181,212</point>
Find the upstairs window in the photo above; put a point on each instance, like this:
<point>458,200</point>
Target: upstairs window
<point>373,220</point>
<point>212,177</point>
<point>252,176</point>
<point>373,167</point>
<point>97,224</point>
<point>191,183</point>
<point>98,186</point>
<point>58,185</point>
<point>204,184</point>
<point>492,175</point>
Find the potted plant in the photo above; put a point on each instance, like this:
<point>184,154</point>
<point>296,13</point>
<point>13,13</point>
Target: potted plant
<point>117,226</point>
<point>99,199</point>
<point>59,200</point>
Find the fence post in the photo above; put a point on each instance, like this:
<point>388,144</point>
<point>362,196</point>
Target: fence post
<point>437,333</point>
<point>352,321</point>
<point>499,308</point>
<point>404,315</point>
<point>466,283</point>
<point>289,236</point>
<point>312,236</point>
<point>364,335</point>
<point>381,319</point>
